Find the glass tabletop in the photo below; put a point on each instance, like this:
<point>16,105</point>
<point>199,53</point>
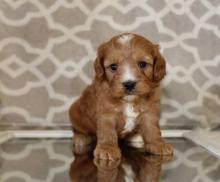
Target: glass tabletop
<point>56,160</point>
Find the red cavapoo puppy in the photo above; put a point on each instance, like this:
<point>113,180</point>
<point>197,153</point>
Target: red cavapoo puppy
<point>123,99</point>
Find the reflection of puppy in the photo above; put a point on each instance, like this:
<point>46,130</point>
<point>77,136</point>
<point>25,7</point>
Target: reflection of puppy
<point>140,167</point>
<point>83,169</point>
<point>123,99</point>
<point>134,166</point>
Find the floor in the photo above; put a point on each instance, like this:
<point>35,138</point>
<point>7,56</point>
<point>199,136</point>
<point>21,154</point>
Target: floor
<point>52,160</point>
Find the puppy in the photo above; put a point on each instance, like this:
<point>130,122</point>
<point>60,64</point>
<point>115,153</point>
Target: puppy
<point>123,99</point>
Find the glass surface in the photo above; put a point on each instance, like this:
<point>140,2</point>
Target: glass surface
<point>53,160</point>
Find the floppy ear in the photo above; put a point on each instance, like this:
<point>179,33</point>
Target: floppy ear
<point>159,67</point>
<point>99,63</point>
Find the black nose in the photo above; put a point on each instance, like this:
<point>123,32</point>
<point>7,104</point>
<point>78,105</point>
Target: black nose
<point>129,85</point>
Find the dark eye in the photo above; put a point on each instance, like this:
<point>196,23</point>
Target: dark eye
<point>113,67</point>
<point>142,64</point>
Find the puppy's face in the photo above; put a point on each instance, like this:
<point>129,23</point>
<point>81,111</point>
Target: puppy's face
<point>130,64</point>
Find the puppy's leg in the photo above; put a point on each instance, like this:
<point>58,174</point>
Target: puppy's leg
<point>82,139</point>
<point>150,131</point>
<point>107,140</point>
<point>81,143</point>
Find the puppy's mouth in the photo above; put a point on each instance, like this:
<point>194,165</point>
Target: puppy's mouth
<point>129,98</point>
<point>130,92</point>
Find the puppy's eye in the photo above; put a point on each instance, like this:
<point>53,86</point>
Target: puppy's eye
<point>142,64</point>
<point>113,67</point>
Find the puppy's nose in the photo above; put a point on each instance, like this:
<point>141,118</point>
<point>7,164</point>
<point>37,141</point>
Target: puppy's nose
<point>129,85</point>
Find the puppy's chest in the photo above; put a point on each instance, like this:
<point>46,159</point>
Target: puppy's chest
<point>130,113</point>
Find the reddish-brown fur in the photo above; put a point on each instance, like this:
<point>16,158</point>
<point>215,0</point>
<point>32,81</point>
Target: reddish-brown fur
<point>134,166</point>
<point>99,112</point>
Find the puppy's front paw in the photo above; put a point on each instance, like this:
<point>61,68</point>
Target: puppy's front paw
<point>106,165</point>
<point>159,148</point>
<point>82,149</point>
<point>80,139</point>
<point>107,152</point>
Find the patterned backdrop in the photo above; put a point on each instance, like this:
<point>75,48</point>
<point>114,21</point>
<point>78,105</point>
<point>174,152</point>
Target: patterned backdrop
<point>47,49</point>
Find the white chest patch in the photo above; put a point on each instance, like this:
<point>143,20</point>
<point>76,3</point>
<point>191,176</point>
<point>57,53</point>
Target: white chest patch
<point>130,117</point>
<point>129,173</point>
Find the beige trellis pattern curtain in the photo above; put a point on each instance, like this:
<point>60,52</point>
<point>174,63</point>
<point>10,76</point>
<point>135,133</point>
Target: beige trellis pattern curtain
<point>47,49</point>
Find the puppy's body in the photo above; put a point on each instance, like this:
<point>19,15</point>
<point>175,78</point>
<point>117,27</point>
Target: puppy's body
<point>90,107</point>
<point>123,99</point>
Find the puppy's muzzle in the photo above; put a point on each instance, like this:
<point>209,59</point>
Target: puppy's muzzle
<point>129,85</point>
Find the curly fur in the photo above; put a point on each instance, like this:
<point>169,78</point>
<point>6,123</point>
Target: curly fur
<point>107,112</point>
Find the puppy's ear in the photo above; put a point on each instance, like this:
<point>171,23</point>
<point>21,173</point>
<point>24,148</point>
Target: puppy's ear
<point>159,67</point>
<point>99,63</point>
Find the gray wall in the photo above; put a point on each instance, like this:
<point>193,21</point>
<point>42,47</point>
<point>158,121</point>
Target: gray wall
<point>47,50</point>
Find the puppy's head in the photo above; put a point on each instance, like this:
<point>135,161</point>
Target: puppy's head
<point>130,64</point>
